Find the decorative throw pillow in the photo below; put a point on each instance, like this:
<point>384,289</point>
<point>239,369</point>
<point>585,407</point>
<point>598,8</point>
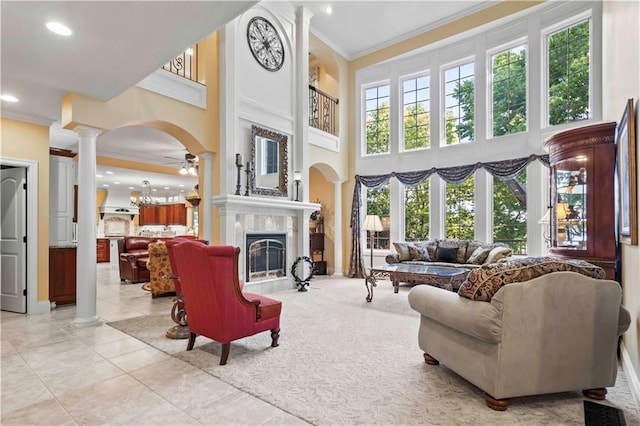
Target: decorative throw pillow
<point>497,254</point>
<point>447,254</point>
<point>403,251</point>
<point>479,255</point>
<point>419,252</point>
<point>484,282</point>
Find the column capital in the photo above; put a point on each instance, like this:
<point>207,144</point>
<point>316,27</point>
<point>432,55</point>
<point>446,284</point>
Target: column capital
<point>87,131</point>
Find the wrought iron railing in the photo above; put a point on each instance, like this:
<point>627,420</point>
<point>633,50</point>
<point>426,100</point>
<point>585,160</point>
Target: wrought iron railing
<point>185,65</point>
<point>323,111</point>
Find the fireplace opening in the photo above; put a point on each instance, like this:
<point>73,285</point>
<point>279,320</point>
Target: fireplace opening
<point>266,256</point>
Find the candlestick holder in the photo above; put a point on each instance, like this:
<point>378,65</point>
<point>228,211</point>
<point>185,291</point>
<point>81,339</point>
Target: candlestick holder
<point>238,185</point>
<point>248,172</point>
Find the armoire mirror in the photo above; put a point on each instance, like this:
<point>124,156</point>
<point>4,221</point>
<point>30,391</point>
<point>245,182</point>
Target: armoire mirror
<point>268,162</point>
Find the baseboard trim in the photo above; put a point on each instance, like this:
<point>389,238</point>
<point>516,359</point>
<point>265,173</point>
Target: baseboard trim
<point>631,375</point>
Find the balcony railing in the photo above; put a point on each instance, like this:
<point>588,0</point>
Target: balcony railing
<point>323,111</point>
<point>185,65</point>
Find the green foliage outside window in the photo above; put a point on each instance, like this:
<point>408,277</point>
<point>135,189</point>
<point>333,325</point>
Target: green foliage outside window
<point>568,62</point>
<point>509,78</point>
<point>416,112</point>
<point>377,119</point>
<point>460,210</point>
<point>459,104</point>
<point>510,212</point>
<point>416,212</point>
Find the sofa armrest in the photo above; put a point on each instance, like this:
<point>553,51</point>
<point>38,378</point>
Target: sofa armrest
<point>132,258</point>
<point>392,258</point>
<point>478,319</point>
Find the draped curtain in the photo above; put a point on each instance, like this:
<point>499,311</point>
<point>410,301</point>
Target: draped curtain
<point>506,169</point>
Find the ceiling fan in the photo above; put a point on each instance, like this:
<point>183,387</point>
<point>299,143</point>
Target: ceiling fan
<point>189,164</point>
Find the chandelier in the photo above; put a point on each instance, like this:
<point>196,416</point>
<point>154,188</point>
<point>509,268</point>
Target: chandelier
<point>145,199</point>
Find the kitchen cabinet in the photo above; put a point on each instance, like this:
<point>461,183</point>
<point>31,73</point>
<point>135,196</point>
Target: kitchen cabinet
<point>163,214</point>
<point>582,204</point>
<point>103,251</point>
<point>62,274</point>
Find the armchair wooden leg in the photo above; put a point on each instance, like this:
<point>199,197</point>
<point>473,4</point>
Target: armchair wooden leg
<point>496,404</point>
<point>598,393</point>
<point>430,360</point>
<point>275,335</point>
<point>226,347</point>
<point>192,340</point>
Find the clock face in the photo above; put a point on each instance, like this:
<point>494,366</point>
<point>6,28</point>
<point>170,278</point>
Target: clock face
<point>265,44</point>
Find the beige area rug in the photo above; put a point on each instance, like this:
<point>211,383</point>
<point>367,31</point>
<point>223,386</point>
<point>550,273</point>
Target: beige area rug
<point>344,361</point>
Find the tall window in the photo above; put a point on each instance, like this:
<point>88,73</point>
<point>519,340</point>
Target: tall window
<point>460,210</point>
<point>378,203</point>
<point>459,108</point>
<point>415,92</point>
<point>510,212</point>
<point>377,119</point>
<point>568,73</point>
<point>416,212</point>
<point>509,91</point>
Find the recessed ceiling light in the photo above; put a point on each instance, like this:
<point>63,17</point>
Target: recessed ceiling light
<point>58,28</point>
<point>109,172</point>
<point>9,98</point>
<point>328,9</point>
<point>166,187</point>
<point>181,186</point>
<point>116,183</point>
<point>154,190</point>
<point>131,187</point>
<point>98,175</point>
<point>105,184</point>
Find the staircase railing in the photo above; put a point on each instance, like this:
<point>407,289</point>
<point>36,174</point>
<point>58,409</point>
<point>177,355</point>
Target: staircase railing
<point>185,65</point>
<point>323,111</point>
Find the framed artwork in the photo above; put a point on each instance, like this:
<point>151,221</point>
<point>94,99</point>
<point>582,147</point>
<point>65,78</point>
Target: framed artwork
<point>627,197</point>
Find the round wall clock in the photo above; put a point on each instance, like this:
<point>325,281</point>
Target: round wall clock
<point>265,44</point>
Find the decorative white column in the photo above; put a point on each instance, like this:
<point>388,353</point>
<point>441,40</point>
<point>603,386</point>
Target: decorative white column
<point>337,228</point>
<point>86,269</point>
<point>300,143</point>
<point>206,194</point>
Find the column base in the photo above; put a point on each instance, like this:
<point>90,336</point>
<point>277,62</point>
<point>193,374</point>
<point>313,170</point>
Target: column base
<point>88,322</point>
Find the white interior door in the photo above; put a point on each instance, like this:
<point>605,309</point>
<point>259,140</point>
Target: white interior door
<point>13,250</point>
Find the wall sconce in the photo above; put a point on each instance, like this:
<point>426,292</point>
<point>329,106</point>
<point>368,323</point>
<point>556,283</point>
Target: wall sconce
<point>297,178</point>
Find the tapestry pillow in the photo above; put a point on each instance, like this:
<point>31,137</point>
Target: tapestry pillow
<point>419,251</point>
<point>484,282</point>
<point>479,255</point>
<point>447,254</point>
<point>403,251</point>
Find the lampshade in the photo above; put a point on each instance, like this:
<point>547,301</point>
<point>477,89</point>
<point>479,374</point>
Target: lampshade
<point>372,223</point>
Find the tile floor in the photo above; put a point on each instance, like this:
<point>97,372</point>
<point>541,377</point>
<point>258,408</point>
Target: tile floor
<point>55,373</point>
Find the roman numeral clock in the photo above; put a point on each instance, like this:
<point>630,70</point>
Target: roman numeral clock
<point>265,44</point>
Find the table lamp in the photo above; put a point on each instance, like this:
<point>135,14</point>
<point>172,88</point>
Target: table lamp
<point>372,224</point>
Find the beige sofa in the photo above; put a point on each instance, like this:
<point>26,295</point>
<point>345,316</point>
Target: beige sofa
<point>554,333</point>
<point>456,253</point>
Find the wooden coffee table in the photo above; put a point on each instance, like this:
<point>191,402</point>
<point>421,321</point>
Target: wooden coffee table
<point>444,277</point>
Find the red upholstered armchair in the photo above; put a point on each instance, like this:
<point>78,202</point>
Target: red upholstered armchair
<point>216,306</point>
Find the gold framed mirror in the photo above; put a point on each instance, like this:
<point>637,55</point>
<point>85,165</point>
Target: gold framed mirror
<point>268,162</point>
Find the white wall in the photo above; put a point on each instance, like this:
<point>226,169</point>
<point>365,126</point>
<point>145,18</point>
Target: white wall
<point>621,81</point>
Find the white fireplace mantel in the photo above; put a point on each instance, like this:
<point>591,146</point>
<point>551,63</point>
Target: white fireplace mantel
<point>238,204</point>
